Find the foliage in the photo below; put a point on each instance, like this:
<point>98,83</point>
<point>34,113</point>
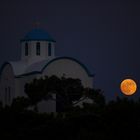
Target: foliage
<point>117,119</point>
<point>36,90</point>
<point>96,95</point>
<point>20,104</point>
<point>67,90</point>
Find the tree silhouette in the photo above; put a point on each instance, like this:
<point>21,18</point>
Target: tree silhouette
<point>20,104</point>
<point>99,121</point>
<point>96,95</point>
<point>36,90</point>
<point>67,90</point>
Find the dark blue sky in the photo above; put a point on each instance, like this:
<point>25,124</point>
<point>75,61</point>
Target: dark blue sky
<point>104,35</point>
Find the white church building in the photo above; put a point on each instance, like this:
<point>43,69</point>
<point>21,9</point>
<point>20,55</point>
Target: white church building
<point>37,60</point>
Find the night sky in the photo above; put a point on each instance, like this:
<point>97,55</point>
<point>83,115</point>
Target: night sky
<point>102,34</point>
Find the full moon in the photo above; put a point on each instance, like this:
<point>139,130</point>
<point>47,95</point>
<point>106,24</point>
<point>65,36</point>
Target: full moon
<point>128,87</point>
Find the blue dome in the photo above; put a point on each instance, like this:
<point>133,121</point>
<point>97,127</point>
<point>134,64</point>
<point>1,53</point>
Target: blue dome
<point>38,34</point>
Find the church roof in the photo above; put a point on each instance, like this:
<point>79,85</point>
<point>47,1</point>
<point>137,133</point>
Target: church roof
<point>39,67</point>
<point>20,68</point>
<point>38,34</point>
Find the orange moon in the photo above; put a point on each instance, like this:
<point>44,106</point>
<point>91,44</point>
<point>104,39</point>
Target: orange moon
<point>128,87</point>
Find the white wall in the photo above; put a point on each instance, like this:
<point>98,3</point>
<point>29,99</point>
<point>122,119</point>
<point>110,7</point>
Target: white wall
<point>49,105</point>
<point>69,68</point>
<point>58,67</point>
<point>20,84</point>
<point>32,57</point>
<point>7,81</point>
<point>44,106</point>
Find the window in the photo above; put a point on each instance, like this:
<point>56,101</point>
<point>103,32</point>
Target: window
<point>38,48</point>
<point>49,49</point>
<point>9,94</point>
<point>26,49</point>
<point>5,95</point>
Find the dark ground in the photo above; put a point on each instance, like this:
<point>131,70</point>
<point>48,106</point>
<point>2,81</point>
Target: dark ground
<point>118,119</point>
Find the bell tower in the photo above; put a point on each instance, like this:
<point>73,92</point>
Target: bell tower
<point>37,45</point>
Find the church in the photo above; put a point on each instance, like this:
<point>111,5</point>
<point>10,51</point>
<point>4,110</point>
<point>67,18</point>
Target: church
<point>37,60</point>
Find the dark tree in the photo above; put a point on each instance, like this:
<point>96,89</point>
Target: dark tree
<point>20,104</point>
<point>96,95</point>
<point>68,92</point>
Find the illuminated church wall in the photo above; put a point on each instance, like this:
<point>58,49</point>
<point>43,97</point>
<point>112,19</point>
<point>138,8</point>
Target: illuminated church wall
<point>37,62</point>
<point>32,56</point>
<point>7,85</point>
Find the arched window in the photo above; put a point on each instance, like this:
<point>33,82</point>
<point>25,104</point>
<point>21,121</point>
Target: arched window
<point>38,48</point>
<point>6,95</point>
<point>26,49</point>
<point>9,94</point>
<point>49,49</point>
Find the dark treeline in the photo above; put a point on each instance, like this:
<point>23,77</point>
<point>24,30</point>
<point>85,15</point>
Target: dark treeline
<point>119,119</point>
